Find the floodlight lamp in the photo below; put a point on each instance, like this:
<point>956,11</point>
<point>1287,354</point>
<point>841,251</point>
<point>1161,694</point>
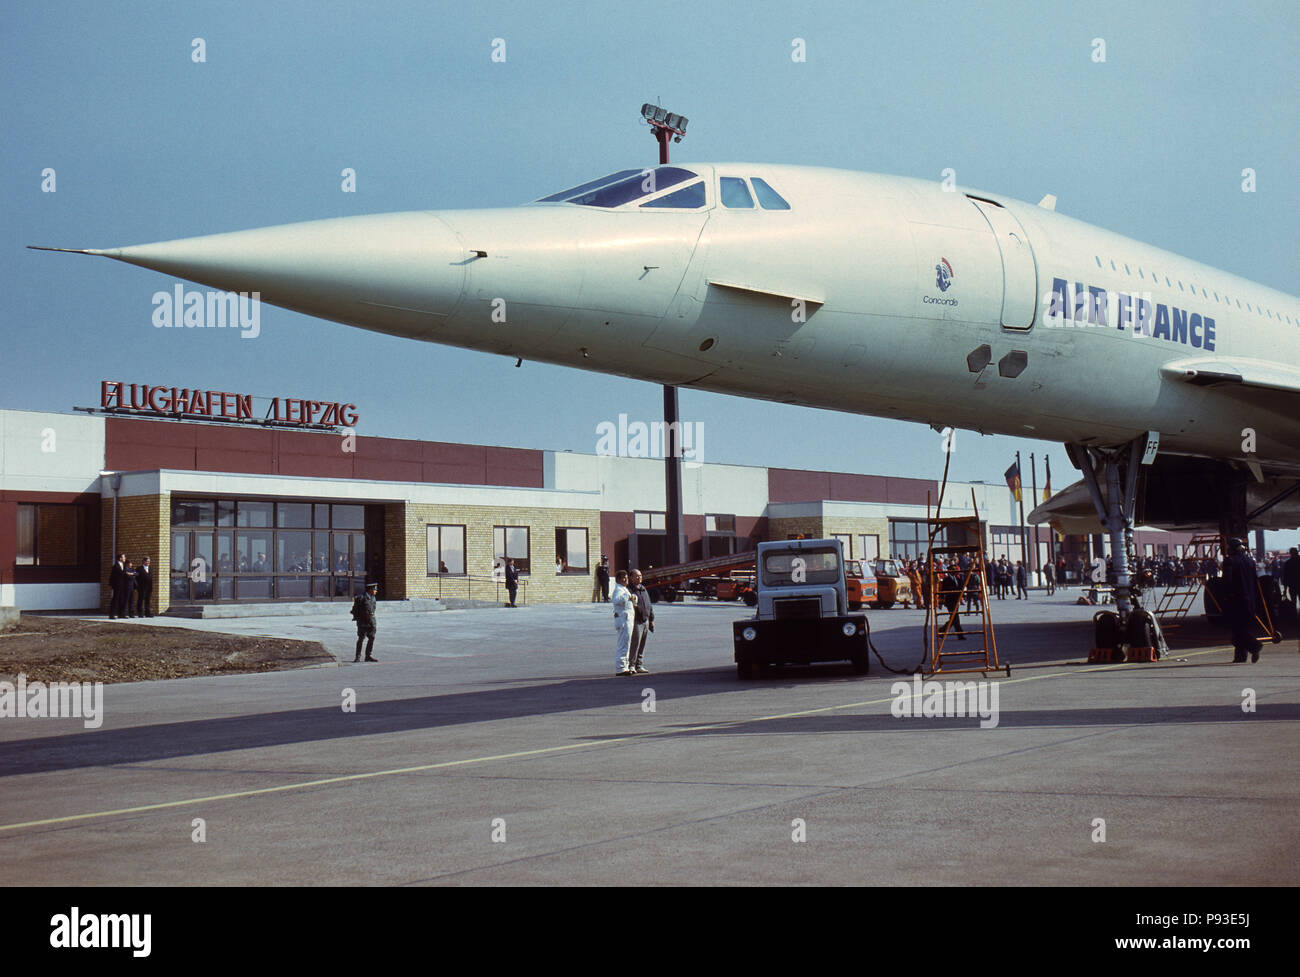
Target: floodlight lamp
<point>647,111</point>
<point>660,114</point>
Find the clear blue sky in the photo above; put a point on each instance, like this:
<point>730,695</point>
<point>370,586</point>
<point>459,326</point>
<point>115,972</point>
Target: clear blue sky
<point>148,145</point>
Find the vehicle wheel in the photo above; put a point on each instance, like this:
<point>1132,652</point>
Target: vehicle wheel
<point>855,605</point>
<point>875,604</point>
<point>669,595</point>
<point>744,671</point>
<point>889,605</point>
<point>750,598</point>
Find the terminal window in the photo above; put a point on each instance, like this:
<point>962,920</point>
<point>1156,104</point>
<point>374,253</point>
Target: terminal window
<point>511,543</point>
<point>446,550</point>
<point>571,550</point>
<point>50,535</point>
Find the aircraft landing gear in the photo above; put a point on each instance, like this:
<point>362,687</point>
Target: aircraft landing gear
<point>1128,633</point>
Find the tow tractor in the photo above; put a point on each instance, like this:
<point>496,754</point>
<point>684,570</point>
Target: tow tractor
<point>802,614</point>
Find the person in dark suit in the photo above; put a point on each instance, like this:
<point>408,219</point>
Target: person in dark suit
<point>144,588</point>
<point>1240,583</point>
<point>128,578</point>
<point>1291,576</point>
<point>117,582</point>
<point>512,581</point>
<point>950,594</point>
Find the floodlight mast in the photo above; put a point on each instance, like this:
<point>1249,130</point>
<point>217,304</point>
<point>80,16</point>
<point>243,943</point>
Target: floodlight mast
<point>668,127</point>
<point>665,126</point>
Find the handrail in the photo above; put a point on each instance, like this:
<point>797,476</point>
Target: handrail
<point>472,586</point>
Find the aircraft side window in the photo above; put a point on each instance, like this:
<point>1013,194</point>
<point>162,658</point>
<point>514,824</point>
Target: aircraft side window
<point>768,198</point>
<point>735,193</point>
<point>686,198</point>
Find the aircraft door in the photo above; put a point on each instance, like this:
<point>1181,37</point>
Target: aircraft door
<point>1019,270</point>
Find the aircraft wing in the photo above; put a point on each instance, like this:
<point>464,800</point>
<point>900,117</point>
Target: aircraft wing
<point>1245,377</point>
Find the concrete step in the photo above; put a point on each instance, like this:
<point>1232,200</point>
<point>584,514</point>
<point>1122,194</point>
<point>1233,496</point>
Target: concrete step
<point>300,608</point>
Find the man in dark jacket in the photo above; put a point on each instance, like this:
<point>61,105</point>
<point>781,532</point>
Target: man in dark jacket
<point>363,612</point>
<point>1291,576</point>
<point>1239,586</point>
<point>512,581</point>
<point>144,588</point>
<point>950,593</point>
<point>643,620</point>
<point>1022,580</point>
<point>117,583</point>
<point>128,588</point>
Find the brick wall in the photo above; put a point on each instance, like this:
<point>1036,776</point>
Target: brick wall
<point>543,584</point>
<point>143,522</point>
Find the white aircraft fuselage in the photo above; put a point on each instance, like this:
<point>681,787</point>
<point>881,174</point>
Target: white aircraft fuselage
<point>870,294</point>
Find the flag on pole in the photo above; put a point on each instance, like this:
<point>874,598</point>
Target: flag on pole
<point>1047,489</point>
<point>1013,480</point>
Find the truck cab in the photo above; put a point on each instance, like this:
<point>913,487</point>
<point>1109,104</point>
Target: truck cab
<point>802,610</point>
<point>861,586</point>
<point>892,584</point>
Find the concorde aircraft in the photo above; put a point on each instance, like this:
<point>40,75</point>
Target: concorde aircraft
<point>1174,386</point>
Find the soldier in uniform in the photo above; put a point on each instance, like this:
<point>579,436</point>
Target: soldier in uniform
<point>363,612</point>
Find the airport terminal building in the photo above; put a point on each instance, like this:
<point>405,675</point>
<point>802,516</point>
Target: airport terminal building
<point>231,512</point>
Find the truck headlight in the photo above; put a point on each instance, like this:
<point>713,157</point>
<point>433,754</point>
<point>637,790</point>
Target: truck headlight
<point>749,634</point>
<point>849,629</point>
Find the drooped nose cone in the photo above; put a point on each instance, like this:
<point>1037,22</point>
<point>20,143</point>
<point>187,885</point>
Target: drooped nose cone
<point>400,273</point>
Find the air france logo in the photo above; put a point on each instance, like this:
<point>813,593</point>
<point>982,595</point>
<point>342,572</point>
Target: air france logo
<point>943,274</point>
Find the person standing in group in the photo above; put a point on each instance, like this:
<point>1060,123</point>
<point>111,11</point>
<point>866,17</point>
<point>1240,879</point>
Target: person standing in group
<point>643,621</point>
<point>600,590</point>
<point>363,612</point>
<point>1022,580</point>
<point>624,609</point>
<point>128,578</point>
<point>512,582</point>
<point>971,584</point>
<point>950,595</point>
<point>1240,582</point>
<point>144,588</point>
<point>1049,577</point>
<point>1291,576</point>
<point>117,583</point>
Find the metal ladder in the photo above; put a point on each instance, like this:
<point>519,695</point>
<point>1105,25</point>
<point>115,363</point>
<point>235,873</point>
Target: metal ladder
<point>974,584</point>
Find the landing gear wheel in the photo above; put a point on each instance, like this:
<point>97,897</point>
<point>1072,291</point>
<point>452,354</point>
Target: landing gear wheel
<point>750,598</point>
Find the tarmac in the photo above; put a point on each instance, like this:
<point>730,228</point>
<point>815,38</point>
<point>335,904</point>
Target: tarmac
<point>496,746</point>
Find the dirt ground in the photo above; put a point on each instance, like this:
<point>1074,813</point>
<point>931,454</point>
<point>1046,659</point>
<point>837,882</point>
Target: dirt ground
<point>55,649</point>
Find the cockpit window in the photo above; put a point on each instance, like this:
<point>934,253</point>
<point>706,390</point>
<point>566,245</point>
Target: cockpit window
<point>687,198</point>
<point>628,185</point>
<point>735,193</point>
<point>768,198</point>
<point>584,187</point>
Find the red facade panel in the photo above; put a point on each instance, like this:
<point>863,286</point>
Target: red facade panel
<point>134,444</point>
<point>336,465</point>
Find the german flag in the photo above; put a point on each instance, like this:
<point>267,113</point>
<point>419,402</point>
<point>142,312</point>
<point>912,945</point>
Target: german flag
<point>1012,476</point>
<point>1047,489</point>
